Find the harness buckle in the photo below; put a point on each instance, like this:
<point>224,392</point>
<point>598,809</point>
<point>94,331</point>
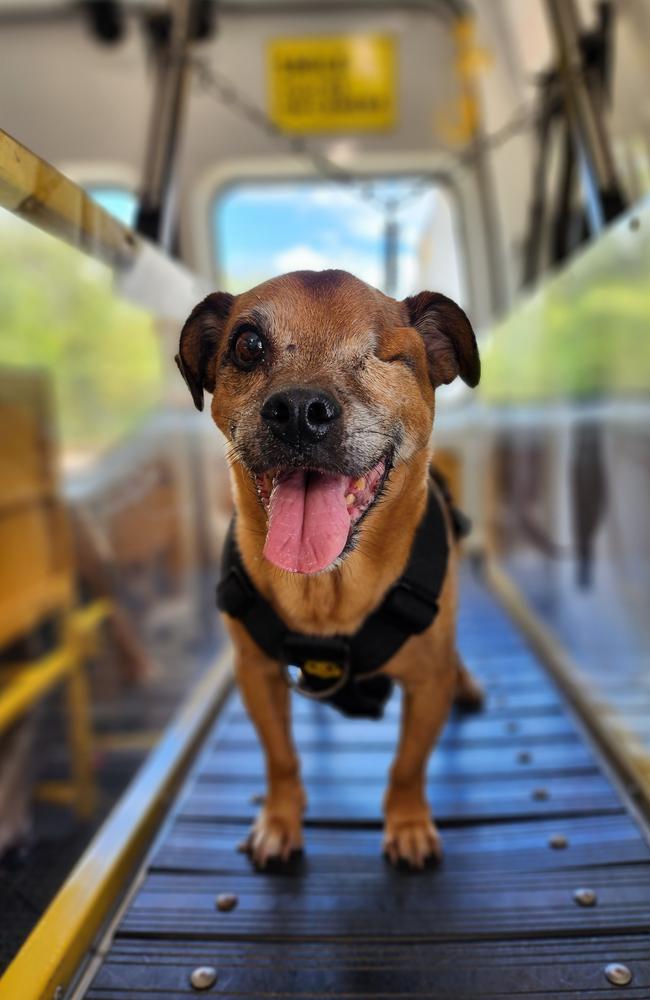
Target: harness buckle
<point>316,667</point>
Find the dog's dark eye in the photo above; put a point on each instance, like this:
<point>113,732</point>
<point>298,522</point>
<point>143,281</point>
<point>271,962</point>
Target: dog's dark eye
<point>247,349</point>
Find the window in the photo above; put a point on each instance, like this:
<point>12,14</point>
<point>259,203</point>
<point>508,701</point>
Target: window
<point>395,233</point>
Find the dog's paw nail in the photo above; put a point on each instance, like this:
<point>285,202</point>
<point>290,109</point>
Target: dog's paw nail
<point>273,839</point>
<point>390,853</point>
<point>414,844</point>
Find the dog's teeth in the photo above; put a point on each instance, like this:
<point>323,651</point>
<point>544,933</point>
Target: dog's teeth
<point>359,484</point>
<point>349,499</point>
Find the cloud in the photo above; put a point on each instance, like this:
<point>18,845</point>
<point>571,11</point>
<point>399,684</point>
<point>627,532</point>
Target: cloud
<point>366,223</point>
<point>302,257</point>
<point>330,195</point>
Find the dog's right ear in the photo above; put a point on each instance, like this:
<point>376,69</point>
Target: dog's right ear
<point>448,338</point>
<point>199,342</point>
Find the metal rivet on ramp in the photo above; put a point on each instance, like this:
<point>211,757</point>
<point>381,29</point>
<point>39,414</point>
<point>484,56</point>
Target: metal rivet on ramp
<point>585,897</point>
<point>226,901</point>
<point>512,727</point>
<point>257,799</point>
<point>524,757</point>
<point>618,974</point>
<point>204,977</point>
<point>558,841</point>
<point>540,794</point>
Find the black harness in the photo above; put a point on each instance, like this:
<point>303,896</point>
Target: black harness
<point>342,669</point>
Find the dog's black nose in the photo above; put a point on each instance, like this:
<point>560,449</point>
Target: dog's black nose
<point>301,415</point>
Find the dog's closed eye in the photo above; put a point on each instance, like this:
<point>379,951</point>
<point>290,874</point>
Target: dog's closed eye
<point>403,359</point>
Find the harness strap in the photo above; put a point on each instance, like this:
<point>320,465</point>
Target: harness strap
<point>336,668</point>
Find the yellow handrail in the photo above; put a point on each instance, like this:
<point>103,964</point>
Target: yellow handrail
<point>37,192</point>
<point>31,681</point>
<point>56,947</point>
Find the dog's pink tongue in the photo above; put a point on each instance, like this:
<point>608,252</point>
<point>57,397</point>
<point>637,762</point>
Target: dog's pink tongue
<point>309,522</point>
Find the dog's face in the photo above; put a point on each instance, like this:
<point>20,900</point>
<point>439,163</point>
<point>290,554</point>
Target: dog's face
<point>322,385</point>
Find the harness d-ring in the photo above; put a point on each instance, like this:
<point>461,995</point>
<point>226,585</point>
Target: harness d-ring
<point>293,681</point>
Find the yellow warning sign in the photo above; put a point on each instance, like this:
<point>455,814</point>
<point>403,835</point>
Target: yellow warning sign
<point>332,84</point>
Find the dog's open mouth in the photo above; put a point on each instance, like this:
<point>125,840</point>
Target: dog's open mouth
<point>312,514</point>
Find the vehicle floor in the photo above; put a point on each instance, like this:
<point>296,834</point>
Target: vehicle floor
<point>497,918</point>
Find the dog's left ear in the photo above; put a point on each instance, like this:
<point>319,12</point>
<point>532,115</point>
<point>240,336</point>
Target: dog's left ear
<point>448,338</point>
<point>199,343</point>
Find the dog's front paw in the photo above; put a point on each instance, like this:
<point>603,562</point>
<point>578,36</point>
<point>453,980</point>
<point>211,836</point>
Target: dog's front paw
<point>411,841</point>
<point>274,837</point>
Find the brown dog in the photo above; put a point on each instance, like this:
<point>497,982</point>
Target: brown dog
<point>324,389</point>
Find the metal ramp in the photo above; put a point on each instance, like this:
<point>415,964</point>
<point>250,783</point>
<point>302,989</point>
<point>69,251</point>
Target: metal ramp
<point>528,817</point>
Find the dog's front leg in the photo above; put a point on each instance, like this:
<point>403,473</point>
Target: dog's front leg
<point>277,831</point>
<point>410,834</point>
